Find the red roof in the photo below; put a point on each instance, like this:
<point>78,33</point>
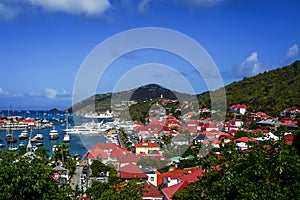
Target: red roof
<point>131,171</point>
<point>289,139</point>
<point>146,144</point>
<point>129,158</point>
<point>159,177</point>
<point>238,106</point>
<point>101,150</point>
<point>244,139</point>
<point>151,191</point>
<point>294,108</point>
<point>118,153</point>
<point>170,191</point>
<point>258,130</point>
<point>193,176</point>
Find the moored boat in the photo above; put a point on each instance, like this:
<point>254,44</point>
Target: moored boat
<point>24,135</point>
<point>66,137</point>
<point>53,135</point>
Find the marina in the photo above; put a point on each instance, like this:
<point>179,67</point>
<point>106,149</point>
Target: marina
<point>52,129</point>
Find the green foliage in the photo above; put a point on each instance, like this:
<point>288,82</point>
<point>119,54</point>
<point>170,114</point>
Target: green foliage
<point>61,154</point>
<point>268,170</point>
<point>97,189</point>
<point>97,167</point>
<point>131,190</point>
<point>249,134</point>
<point>296,141</point>
<point>28,178</point>
<point>124,138</point>
<point>270,92</point>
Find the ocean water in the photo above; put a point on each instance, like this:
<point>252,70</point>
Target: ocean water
<point>79,144</point>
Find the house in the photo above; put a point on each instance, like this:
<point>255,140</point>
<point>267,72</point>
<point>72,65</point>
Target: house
<point>194,176</point>
<point>108,153</point>
<point>151,173</point>
<point>149,130</point>
<point>236,122</point>
<point>132,171</point>
<point>179,140</point>
<point>228,126</point>
<point>129,158</point>
<point>238,109</point>
<point>168,192</point>
<point>151,192</point>
<point>156,155</point>
<point>145,147</point>
<point>210,127</point>
<point>172,122</point>
<point>292,112</point>
<point>258,116</point>
<point>174,177</point>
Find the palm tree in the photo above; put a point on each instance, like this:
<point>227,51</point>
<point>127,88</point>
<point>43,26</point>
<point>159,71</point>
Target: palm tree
<point>61,152</point>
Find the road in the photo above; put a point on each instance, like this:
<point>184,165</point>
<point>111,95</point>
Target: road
<point>75,180</point>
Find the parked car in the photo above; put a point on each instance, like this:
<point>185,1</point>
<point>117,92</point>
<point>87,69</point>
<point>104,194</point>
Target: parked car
<point>85,169</point>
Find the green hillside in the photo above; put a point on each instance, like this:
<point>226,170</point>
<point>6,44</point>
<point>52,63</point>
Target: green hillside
<point>270,92</point>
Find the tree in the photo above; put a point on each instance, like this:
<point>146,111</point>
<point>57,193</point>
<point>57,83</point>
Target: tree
<point>62,152</point>
<point>97,189</point>
<point>268,170</point>
<point>132,189</point>
<point>28,178</point>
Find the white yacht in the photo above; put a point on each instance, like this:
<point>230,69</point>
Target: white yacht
<point>24,134</point>
<point>84,130</point>
<point>107,115</point>
<point>53,135</point>
<point>67,137</point>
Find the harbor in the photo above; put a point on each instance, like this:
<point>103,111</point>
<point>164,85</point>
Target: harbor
<point>47,129</point>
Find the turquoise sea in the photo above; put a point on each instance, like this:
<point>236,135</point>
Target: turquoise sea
<point>79,144</point>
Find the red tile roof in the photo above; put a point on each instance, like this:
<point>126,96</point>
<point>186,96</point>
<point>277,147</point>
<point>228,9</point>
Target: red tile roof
<point>151,191</point>
<point>146,144</point>
<point>170,191</point>
<point>129,158</point>
<point>99,150</point>
<point>244,139</point>
<point>193,176</point>
<point>131,171</point>
<point>159,177</point>
<point>238,106</point>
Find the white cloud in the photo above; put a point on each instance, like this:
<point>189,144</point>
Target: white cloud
<point>18,95</point>
<point>8,12</point>
<point>59,94</point>
<point>50,93</point>
<point>292,52</point>
<point>143,6</point>
<point>88,7</point>
<point>251,66</point>
<point>2,92</point>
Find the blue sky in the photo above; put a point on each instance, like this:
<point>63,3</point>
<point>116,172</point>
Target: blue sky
<point>44,42</point>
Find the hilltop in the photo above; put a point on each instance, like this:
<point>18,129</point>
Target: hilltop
<point>270,92</point>
<point>144,93</point>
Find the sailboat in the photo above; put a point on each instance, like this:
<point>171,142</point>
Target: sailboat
<point>11,141</point>
<point>66,131</point>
